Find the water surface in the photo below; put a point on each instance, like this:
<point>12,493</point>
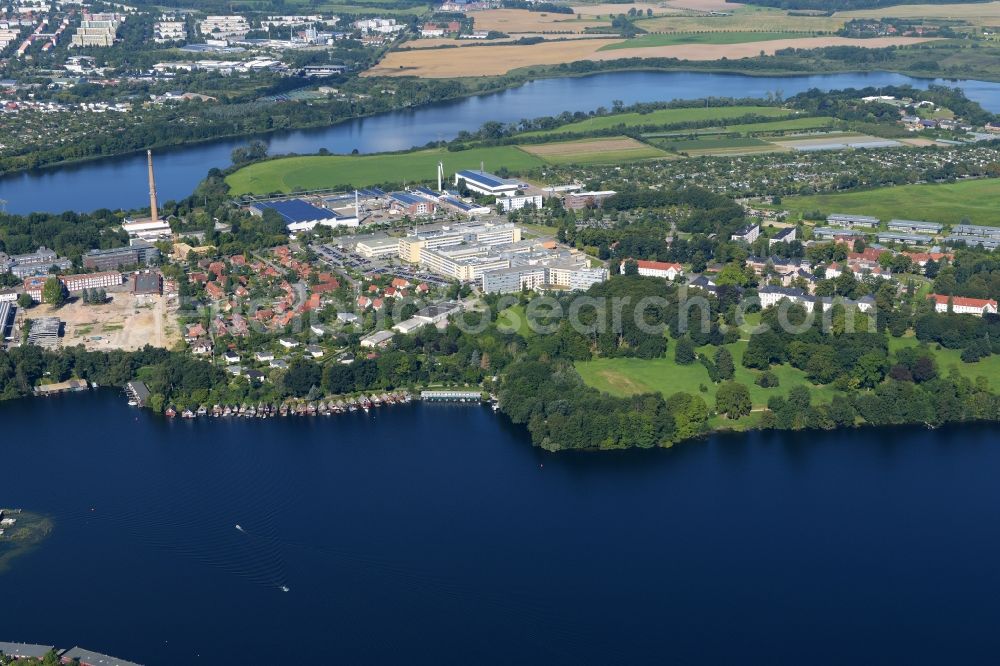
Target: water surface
<point>121,182</point>
<point>433,534</point>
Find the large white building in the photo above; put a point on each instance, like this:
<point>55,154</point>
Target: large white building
<point>509,203</point>
<point>383,26</point>
<point>147,229</point>
<point>488,234</point>
<point>853,221</point>
<point>747,234</point>
<point>377,247</point>
<point>660,269</point>
<point>486,183</point>
<point>963,305</point>
<point>771,296</point>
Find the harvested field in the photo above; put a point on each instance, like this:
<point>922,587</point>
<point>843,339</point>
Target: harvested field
<point>594,151</point>
<point>704,5</point>
<point>516,21</point>
<point>746,19</point>
<point>500,59</point>
<point>978,14</point>
<point>435,42</point>
<point>678,38</point>
<point>606,8</point>
<point>919,143</point>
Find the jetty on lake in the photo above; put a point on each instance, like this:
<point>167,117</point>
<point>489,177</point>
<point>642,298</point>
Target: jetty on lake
<point>84,657</point>
<point>67,386</point>
<point>451,395</point>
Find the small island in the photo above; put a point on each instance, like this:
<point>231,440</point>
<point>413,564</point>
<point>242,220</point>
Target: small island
<point>21,532</point>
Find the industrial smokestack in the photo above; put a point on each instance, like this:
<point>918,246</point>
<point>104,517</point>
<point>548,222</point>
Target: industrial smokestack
<point>440,176</point>
<point>153,213</point>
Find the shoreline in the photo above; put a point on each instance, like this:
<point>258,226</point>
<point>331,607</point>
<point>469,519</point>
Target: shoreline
<point>503,86</point>
<point>415,399</point>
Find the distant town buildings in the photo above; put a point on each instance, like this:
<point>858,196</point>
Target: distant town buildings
<point>853,221</point>
<point>382,26</point>
<point>97,30</point>
<point>224,27</point>
<point>169,31</point>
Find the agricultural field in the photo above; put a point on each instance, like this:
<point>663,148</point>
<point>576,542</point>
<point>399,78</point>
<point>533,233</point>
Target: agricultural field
<point>496,60</point>
<point>315,172</point>
<point>946,203</point>
<point>666,117</point>
<point>745,19</point>
<point>604,9</point>
<point>712,145</point>
<point>790,125</point>
<point>512,21</point>
<point>767,128</point>
<point>595,151</point>
<point>979,14</point>
<point>677,38</point>
<point>629,376</point>
<point>834,141</point>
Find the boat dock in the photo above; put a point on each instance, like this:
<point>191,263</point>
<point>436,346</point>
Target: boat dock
<point>62,387</point>
<point>448,395</point>
<point>137,393</point>
<point>83,657</point>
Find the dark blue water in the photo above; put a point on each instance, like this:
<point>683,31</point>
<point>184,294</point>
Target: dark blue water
<point>121,182</point>
<point>437,535</point>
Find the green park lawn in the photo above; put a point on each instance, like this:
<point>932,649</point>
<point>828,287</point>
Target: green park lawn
<point>677,38</point>
<point>665,117</point>
<point>629,376</point>
<point>947,359</point>
<point>317,171</point>
<point>946,203</point>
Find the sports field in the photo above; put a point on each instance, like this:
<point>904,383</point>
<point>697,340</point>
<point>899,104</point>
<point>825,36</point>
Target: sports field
<point>675,38</point>
<point>315,172</point>
<point>945,203</point>
<point>666,117</point>
<point>594,151</point>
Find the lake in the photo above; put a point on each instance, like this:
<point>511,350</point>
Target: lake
<point>434,534</point>
<point>121,182</point>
